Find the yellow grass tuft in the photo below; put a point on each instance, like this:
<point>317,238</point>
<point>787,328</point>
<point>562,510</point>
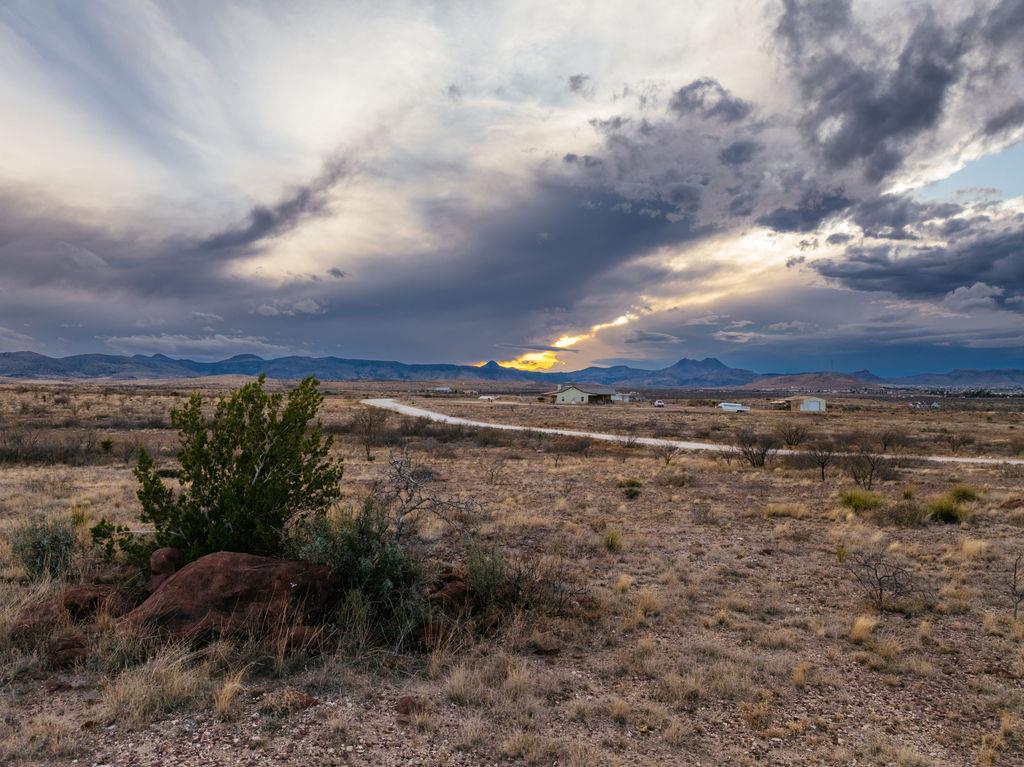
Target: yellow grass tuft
<point>862,627</point>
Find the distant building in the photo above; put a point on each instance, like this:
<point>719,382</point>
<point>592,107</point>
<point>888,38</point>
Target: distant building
<point>488,397</point>
<point>632,396</point>
<point>733,407</point>
<point>440,390</point>
<point>581,394</point>
<point>807,405</point>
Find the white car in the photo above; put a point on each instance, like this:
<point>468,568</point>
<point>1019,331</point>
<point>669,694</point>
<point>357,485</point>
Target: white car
<point>659,403</point>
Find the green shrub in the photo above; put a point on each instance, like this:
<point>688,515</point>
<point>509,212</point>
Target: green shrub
<point>905,513</point>
<point>860,501</point>
<point>612,540</point>
<point>44,548</point>
<point>964,494</point>
<point>947,511</point>
<point>244,473</point>
<point>487,574</point>
<point>630,487</point>
<point>376,575</point>
<point>494,583</point>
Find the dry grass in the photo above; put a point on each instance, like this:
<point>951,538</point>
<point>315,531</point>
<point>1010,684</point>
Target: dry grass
<point>170,681</point>
<point>716,625</point>
<point>862,627</point>
<point>225,699</point>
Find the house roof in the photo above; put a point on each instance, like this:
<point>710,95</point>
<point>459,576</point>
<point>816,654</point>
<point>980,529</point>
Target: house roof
<point>587,389</point>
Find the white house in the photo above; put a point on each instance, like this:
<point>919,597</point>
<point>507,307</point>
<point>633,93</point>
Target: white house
<point>488,397</point>
<point>581,394</point>
<point>808,405</point>
<point>733,407</point>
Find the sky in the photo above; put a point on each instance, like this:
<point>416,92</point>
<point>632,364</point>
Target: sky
<point>783,185</point>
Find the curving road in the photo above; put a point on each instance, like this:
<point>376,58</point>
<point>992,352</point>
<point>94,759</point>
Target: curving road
<point>433,415</point>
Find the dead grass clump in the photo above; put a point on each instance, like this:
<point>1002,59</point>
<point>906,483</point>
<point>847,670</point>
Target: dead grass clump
<point>882,752</point>
<point>39,737</point>
<point>790,510</point>
<point>533,749</point>
<point>474,733</point>
<point>862,627</point>
<point>225,699</point>
<point>167,682</point>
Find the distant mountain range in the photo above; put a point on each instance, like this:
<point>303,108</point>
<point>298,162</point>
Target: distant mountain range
<point>707,373</point>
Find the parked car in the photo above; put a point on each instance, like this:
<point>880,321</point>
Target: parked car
<point>659,403</point>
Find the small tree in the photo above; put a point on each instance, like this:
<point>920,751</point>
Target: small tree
<point>367,425</point>
<point>958,440</point>
<point>666,453</point>
<point>892,440</point>
<point>244,473</point>
<point>864,464</point>
<point>823,455</point>
<point>1016,584</point>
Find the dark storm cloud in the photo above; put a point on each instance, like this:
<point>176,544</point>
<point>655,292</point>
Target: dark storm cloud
<point>707,98</point>
<point>583,85</point>
<point>587,161</point>
<point>897,217</point>
<point>813,208</point>
<point>265,222</point>
<point>860,114</point>
<point>864,107</point>
<point>996,260</point>
<point>652,337</point>
<point>1010,118</point>
<point>739,152</point>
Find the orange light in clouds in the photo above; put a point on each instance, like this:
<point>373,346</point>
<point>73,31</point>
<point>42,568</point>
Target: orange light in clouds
<point>547,359</point>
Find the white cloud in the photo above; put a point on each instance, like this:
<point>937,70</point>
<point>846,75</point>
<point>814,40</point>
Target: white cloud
<point>13,341</point>
<point>211,346</point>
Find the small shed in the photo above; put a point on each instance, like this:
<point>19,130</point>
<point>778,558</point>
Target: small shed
<point>581,394</point>
<point>808,405</point>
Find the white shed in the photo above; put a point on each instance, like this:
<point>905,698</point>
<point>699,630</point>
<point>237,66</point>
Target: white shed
<point>809,405</point>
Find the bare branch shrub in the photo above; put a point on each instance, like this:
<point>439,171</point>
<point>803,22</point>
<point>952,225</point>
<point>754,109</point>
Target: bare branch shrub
<point>757,449</point>
<point>885,581</point>
<point>958,440</point>
<point>822,454</point>
<point>665,453</point>
<point>1016,584</point>
<point>404,491</point>
<point>864,463</point>
<point>793,434</point>
<point>368,424</point>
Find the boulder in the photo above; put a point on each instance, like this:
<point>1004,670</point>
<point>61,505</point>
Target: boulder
<point>450,591</point>
<point>67,651</point>
<point>408,706</point>
<point>163,563</point>
<point>83,602</point>
<point>226,593</point>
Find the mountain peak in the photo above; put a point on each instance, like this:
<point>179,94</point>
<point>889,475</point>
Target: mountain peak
<point>491,365</point>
